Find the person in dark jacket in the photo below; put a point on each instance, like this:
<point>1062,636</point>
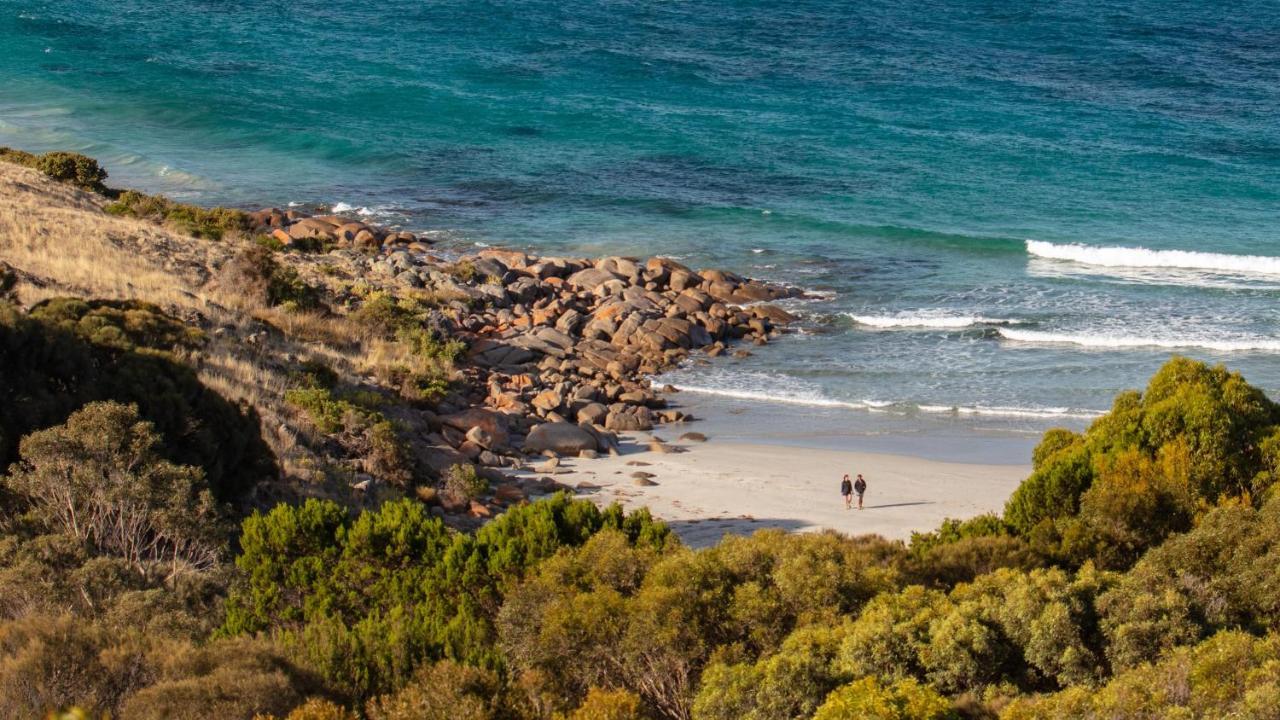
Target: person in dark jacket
<point>846,489</point>
<point>860,487</point>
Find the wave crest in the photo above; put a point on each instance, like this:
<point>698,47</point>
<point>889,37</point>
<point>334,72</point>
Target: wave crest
<point>817,400</point>
<point>1113,341</point>
<point>925,320</point>
<point>1140,257</point>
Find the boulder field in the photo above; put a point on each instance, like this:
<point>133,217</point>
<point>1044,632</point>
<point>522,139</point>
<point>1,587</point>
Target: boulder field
<point>560,349</point>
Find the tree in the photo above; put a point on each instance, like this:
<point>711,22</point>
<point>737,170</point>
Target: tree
<point>98,478</point>
<point>868,699</point>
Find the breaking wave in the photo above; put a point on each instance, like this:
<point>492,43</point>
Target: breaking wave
<point>1139,257</point>
<point>1117,340</point>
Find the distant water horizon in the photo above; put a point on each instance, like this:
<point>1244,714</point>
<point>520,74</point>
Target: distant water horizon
<point>1004,214</point>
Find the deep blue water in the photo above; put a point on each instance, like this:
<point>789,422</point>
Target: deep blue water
<point>896,156</point>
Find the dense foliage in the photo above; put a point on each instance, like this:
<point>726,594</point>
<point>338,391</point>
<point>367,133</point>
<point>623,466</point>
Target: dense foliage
<point>66,352</point>
<point>68,167</point>
<point>1132,574</point>
<point>211,223</point>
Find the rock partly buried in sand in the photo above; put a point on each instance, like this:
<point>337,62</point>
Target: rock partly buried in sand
<point>693,437</point>
<point>560,437</point>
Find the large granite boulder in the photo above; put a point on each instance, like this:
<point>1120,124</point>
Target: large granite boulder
<point>559,437</point>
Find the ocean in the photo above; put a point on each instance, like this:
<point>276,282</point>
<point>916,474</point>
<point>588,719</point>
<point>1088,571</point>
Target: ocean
<point>1006,212</point>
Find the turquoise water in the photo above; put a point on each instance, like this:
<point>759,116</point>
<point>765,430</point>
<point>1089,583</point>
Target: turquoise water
<point>895,156</point>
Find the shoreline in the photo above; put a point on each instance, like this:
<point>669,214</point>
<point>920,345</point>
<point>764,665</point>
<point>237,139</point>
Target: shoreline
<point>563,359</point>
<point>705,490</point>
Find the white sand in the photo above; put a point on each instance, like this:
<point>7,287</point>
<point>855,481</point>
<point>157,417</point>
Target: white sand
<point>717,488</point>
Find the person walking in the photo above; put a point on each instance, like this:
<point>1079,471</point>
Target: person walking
<point>846,489</point>
<point>859,487</point>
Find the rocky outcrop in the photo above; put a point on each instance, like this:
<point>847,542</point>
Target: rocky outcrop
<point>559,349</point>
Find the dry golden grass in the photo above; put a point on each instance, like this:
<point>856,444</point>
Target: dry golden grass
<point>62,244</point>
<point>59,236</point>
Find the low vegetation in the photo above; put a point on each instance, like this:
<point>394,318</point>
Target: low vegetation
<point>211,223</point>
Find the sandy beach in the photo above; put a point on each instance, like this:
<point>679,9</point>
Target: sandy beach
<point>708,489</point>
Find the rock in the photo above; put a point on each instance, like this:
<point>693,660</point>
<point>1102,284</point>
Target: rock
<point>548,400</point>
<point>590,278</point>
<point>773,314</point>
<point>589,454</point>
<point>593,413</point>
<point>347,232</point>
<point>509,493</point>
<point>481,437</point>
<point>561,437</point>
<point>629,422</point>
<point>311,228</point>
<point>693,437</point>
<point>491,422</point>
<point>478,509</point>
<point>439,458</point>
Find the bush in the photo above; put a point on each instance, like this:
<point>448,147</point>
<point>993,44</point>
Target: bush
<point>237,678</point>
<point>51,662</point>
<point>868,699</point>
<point>609,705</point>
<point>443,691</point>
<point>1231,675</point>
<point>73,168</point>
<point>17,157</point>
<point>1197,436</point>
<point>67,353</point>
<point>368,599</point>
<point>211,223</point>
<point>463,484</point>
<point>256,274</point>
<point>99,480</point>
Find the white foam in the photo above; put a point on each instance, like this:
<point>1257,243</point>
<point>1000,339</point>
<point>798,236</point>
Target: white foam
<point>927,320</point>
<point>817,400</point>
<point>1140,257</point>
<point>1116,340</point>
<point>806,399</point>
<point>342,207</point>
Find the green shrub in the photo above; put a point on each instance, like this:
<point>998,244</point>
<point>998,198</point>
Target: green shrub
<point>67,353</point>
<point>869,699</point>
<point>99,480</point>
<point>17,157</point>
<point>1231,675</point>
<point>443,691</point>
<point>211,223</point>
<point>1197,436</point>
<point>462,484</point>
<point>72,168</point>
<point>368,599</point>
